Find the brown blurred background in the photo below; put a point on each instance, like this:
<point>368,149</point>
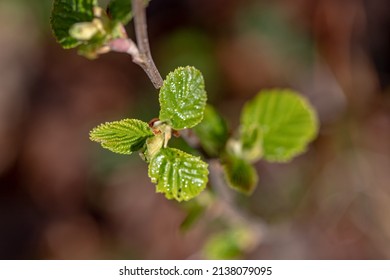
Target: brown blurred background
<point>63,197</point>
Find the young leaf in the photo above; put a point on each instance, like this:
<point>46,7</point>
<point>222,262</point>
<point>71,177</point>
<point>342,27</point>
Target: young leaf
<point>84,31</point>
<point>120,11</point>
<point>183,98</point>
<point>240,174</point>
<point>229,244</point>
<point>65,14</point>
<point>122,137</point>
<point>287,121</point>
<point>93,47</point>
<point>178,175</point>
<point>212,131</point>
<point>251,143</point>
<point>153,146</point>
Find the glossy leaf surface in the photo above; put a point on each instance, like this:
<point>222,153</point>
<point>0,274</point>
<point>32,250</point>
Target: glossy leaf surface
<point>123,137</point>
<point>178,175</point>
<point>183,98</point>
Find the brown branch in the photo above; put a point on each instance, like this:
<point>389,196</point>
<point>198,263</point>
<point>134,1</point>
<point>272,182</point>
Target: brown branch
<point>143,43</point>
<point>140,53</point>
<point>140,24</point>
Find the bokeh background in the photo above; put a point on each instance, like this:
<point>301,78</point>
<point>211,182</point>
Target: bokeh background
<point>63,197</point>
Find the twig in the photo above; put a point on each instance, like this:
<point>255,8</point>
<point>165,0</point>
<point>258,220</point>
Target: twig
<point>143,43</point>
<point>140,24</point>
<point>141,54</point>
<point>128,46</point>
<point>225,201</point>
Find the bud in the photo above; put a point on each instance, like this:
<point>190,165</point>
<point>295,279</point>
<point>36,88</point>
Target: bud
<point>83,31</point>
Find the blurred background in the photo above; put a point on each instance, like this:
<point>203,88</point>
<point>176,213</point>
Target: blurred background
<point>64,197</point>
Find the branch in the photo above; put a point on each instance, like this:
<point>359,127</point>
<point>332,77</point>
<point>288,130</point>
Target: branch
<point>225,204</point>
<point>140,24</point>
<point>143,43</point>
<point>126,45</point>
<point>141,54</point>
<point>229,209</point>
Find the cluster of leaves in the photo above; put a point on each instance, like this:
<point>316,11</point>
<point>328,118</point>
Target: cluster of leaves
<point>178,175</point>
<point>85,25</point>
<point>276,126</point>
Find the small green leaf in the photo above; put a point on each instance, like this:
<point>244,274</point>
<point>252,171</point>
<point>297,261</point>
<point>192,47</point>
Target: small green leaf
<point>83,31</point>
<point>120,11</point>
<point>183,98</point>
<point>287,121</point>
<point>240,174</point>
<point>228,244</point>
<point>212,131</point>
<point>93,47</point>
<point>122,137</point>
<point>252,142</point>
<point>178,175</point>
<point>153,146</point>
<point>65,14</point>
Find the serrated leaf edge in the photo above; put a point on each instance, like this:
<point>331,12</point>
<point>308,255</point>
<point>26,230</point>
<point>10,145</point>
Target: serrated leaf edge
<point>307,107</point>
<point>106,125</point>
<point>155,180</point>
<point>163,102</point>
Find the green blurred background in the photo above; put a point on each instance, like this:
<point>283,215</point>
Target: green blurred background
<point>63,197</point>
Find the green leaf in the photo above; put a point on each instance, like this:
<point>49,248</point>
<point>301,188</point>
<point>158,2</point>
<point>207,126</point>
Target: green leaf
<point>120,11</point>
<point>84,31</point>
<point>212,131</point>
<point>183,98</point>
<point>178,175</point>
<point>92,49</point>
<point>251,142</point>
<point>122,137</point>
<point>240,174</point>
<point>65,14</point>
<point>287,122</point>
<point>228,244</point>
